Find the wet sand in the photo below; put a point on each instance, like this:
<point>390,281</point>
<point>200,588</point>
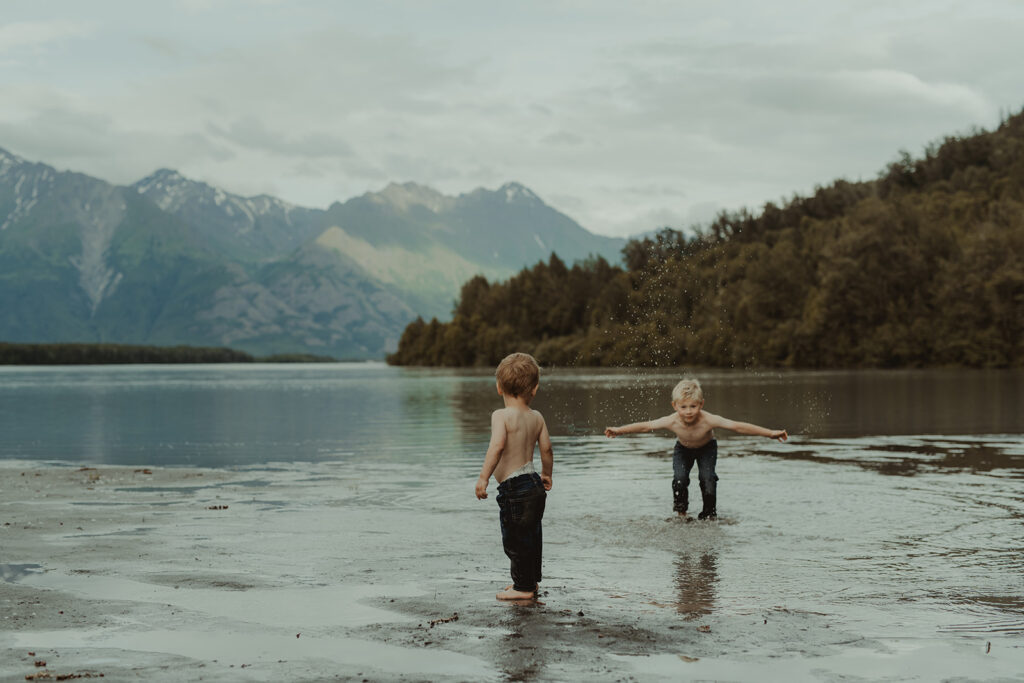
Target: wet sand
<point>303,572</point>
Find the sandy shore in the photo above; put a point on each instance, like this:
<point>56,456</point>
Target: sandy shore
<point>291,573</point>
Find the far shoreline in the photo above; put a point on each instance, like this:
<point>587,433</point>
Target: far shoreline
<point>74,353</point>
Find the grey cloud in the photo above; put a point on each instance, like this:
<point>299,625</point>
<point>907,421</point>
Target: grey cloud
<point>774,116</point>
<point>203,6</point>
<point>656,218</point>
<point>363,170</point>
<point>702,213</point>
<point>567,202</point>
<point>418,168</point>
<point>53,132</point>
<point>328,168</point>
<point>970,49</point>
<point>731,104</point>
<point>306,169</point>
<point>486,174</point>
<point>563,138</point>
<point>163,47</point>
<point>34,35</point>
<point>253,134</point>
<point>652,190</point>
<point>94,144</point>
<point>348,72</point>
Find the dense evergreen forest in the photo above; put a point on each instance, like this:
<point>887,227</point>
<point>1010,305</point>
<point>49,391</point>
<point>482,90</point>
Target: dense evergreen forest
<point>923,266</point>
<point>113,354</point>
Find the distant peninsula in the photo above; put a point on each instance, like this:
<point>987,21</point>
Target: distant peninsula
<point>921,267</point>
<point>126,354</point>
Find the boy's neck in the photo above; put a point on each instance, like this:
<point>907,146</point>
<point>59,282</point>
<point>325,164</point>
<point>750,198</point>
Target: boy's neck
<point>517,402</point>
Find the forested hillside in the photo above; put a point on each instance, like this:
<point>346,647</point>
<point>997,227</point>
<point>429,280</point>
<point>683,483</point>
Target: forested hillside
<point>922,267</point>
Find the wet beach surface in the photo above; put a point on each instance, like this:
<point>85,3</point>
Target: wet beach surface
<point>878,556</point>
<point>888,560</point>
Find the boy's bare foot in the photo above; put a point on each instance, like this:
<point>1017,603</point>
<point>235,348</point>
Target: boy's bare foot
<point>509,593</point>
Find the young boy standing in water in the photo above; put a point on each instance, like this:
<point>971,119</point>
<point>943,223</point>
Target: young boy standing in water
<point>522,493</point>
<point>693,427</point>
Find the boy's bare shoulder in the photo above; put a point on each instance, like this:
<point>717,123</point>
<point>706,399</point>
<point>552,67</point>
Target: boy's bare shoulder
<point>670,421</point>
<point>712,419</point>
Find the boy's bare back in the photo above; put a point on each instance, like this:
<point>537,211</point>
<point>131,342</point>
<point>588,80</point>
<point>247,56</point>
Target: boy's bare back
<point>515,430</point>
<point>521,431</point>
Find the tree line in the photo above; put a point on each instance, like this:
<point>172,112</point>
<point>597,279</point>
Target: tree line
<point>921,267</point>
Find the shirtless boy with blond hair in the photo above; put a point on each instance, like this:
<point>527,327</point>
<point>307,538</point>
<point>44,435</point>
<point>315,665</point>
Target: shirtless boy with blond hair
<point>522,493</point>
<point>693,427</point>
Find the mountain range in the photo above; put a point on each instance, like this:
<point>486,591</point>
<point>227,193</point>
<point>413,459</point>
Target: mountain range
<point>169,260</point>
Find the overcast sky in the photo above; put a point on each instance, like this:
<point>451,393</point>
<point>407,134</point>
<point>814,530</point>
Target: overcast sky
<point>627,116</point>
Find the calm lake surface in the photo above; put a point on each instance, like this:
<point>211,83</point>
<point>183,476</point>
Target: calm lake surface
<point>231,415</point>
<point>894,515</point>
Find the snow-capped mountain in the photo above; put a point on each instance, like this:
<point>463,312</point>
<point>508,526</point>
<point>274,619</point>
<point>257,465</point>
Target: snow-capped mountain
<point>170,260</point>
<point>256,227</point>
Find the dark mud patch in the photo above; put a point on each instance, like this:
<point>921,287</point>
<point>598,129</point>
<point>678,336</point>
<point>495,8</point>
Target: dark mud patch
<point>980,458</point>
<point>203,581</point>
<point>930,457</point>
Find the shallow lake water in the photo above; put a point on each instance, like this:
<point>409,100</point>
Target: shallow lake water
<point>888,532</point>
<point>229,415</point>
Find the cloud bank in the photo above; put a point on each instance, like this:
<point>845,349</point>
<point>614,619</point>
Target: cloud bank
<point>625,116</point>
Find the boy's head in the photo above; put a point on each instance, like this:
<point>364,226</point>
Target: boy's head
<point>518,375</point>
<point>687,390</point>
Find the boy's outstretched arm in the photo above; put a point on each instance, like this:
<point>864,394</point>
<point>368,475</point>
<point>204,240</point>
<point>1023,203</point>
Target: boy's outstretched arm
<point>494,449</point>
<point>547,456</point>
<point>637,427</point>
<point>745,427</point>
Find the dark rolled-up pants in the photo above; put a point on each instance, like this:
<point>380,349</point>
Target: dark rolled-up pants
<point>521,504</point>
<point>682,462</point>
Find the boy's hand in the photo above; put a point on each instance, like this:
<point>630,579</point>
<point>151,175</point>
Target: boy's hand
<point>611,432</point>
<point>546,480</point>
<point>779,434</point>
<point>481,488</point>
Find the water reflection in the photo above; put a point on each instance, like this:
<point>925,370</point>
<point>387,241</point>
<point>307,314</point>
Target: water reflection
<point>231,415</point>
<point>812,404</point>
<point>474,398</point>
<point>696,578</point>
<point>522,652</point>
<point>15,572</point>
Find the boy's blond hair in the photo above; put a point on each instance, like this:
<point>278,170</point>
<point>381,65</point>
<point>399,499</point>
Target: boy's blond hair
<point>687,388</point>
<point>518,374</point>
